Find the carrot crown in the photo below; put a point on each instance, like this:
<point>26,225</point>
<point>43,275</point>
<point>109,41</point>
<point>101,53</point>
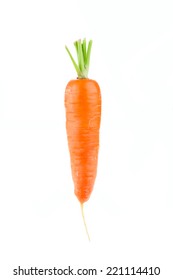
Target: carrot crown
<point>83,57</point>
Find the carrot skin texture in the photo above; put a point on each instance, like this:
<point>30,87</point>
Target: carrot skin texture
<point>83,116</point>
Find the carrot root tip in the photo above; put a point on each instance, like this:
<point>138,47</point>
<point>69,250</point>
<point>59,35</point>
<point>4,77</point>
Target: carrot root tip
<point>82,211</point>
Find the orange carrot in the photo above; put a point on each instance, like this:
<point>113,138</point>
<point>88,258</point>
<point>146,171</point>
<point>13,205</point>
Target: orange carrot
<point>83,114</point>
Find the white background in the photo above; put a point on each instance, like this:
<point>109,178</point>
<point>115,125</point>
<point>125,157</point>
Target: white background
<point>130,212</point>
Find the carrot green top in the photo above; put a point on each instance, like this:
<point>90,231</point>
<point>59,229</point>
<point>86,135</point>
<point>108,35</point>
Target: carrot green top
<point>83,56</point>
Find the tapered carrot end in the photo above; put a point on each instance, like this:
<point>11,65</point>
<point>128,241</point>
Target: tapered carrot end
<point>82,210</point>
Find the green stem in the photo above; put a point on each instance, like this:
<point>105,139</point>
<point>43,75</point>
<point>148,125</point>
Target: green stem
<point>84,50</point>
<point>83,57</point>
<point>81,60</point>
<point>88,54</point>
<point>73,61</point>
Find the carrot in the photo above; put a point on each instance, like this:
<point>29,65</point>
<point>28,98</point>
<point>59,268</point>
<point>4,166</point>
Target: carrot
<point>83,114</point>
